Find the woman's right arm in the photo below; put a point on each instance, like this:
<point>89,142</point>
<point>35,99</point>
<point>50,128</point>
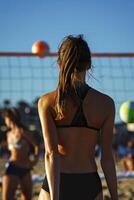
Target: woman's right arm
<point>52,162</point>
<point>107,161</point>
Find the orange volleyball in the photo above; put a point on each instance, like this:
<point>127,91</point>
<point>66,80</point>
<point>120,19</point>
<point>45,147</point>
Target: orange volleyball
<point>40,48</point>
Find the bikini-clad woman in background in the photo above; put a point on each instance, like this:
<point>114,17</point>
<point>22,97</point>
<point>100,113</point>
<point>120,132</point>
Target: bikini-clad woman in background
<point>19,165</point>
<point>72,118</point>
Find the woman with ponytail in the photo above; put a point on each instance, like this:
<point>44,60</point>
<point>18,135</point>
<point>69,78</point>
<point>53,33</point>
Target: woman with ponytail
<point>73,117</point>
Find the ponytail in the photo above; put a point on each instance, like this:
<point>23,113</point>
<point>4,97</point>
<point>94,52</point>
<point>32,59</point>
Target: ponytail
<point>73,60</point>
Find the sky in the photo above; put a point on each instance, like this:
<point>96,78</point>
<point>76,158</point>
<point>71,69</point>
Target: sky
<point>107,25</point>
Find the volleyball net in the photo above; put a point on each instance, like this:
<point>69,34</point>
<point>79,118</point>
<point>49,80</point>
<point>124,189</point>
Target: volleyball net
<point>24,76</point>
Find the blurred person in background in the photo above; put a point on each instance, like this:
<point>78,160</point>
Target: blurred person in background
<point>128,159</point>
<point>19,141</point>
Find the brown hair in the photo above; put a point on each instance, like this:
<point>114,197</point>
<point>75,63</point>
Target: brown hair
<point>74,56</point>
<point>13,115</point>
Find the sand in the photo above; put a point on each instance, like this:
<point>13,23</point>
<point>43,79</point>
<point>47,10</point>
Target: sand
<point>125,186</point>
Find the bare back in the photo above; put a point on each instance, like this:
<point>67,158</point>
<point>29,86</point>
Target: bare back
<point>76,145</point>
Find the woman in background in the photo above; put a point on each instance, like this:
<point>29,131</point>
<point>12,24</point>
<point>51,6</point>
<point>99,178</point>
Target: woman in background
<point>19,140</point>
<point>128,159</point>
<point>73,117</point>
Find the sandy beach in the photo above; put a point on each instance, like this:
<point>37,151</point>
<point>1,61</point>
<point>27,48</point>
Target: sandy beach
<point>125,186</point>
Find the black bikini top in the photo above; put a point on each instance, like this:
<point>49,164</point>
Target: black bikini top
<point>79,119</point>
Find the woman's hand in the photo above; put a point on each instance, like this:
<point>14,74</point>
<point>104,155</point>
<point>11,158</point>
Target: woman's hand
<point>33,162</point>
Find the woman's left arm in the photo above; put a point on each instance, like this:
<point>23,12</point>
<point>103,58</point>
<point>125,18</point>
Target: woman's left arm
<point>52,164</point>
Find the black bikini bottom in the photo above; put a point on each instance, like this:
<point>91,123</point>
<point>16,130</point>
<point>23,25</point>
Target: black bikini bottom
<point>12,169</point>
<point>78,186</point>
